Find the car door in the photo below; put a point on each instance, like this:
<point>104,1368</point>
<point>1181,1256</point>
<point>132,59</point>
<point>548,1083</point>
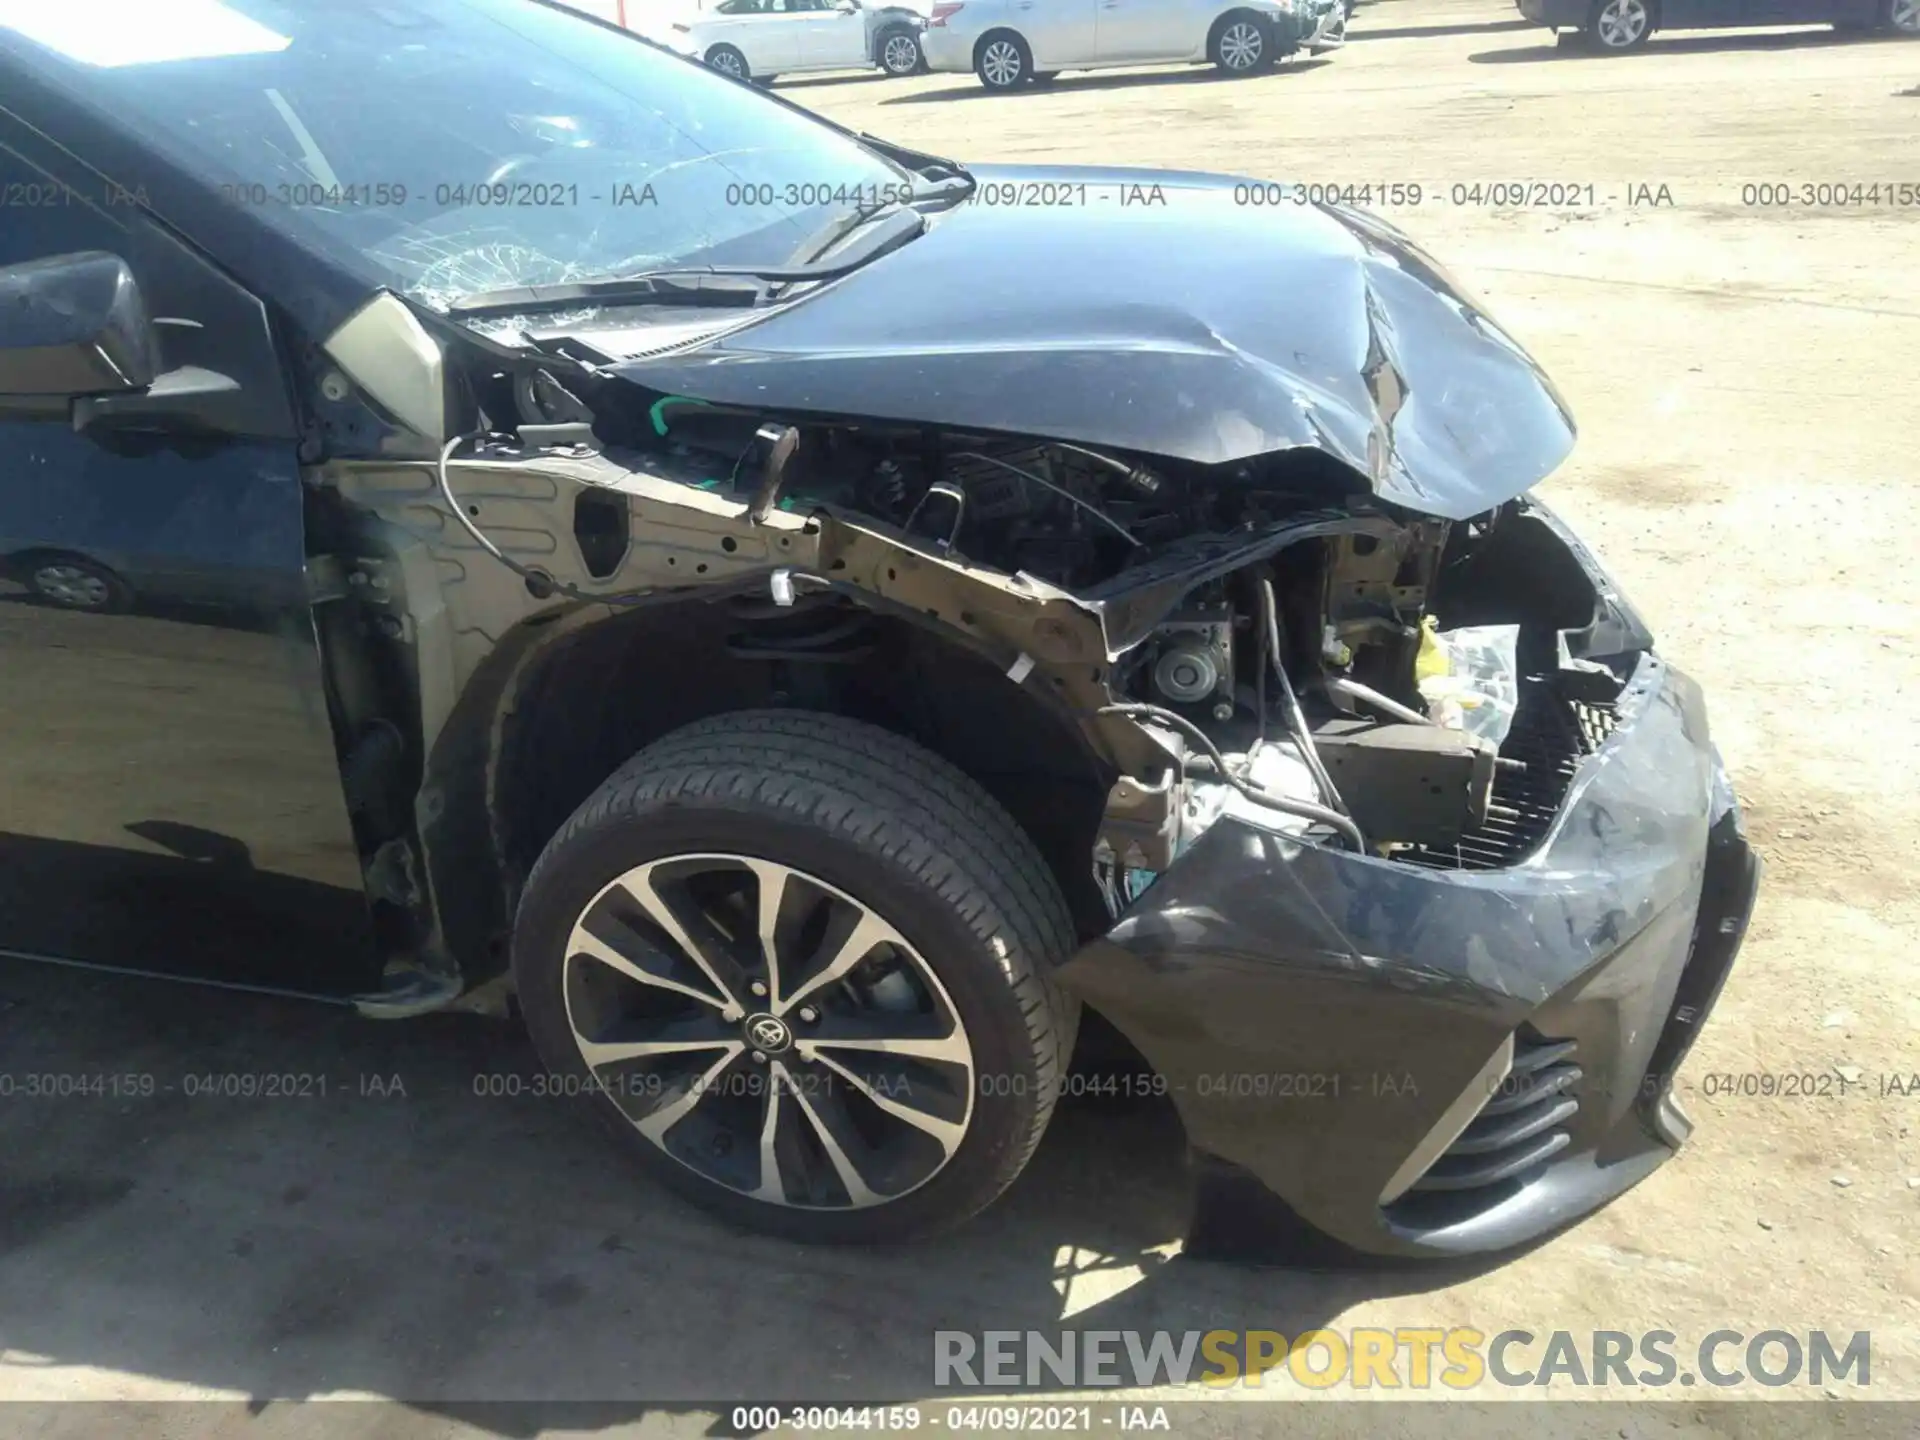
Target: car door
<point>761,30</point>
<point>1150,29</point>
<point>170,796</point>
<point>1802,12</point>
<point>1061,33</point>
<point>1712,14</point>
<point>831,38</point>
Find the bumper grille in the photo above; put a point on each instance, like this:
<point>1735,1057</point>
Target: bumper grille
<point>1550,736</point>
<point>1522,1125</point>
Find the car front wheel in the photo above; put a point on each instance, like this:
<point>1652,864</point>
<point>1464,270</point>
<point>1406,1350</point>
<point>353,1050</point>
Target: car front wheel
<point>1619,25</point>
<point>729,61</point>
<point>1241,45</point>
<point>1003,61</point>
<point>802,967</point>
<point>900,52</point>
<point>75,583</point>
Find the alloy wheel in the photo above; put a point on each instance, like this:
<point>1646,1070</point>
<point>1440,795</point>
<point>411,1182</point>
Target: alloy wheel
<point>1621,23</point>
<point>728,63</point>
<point>1904,16</point>
<point>1000,63</point>
<point>768,1031</point>
<point>1241,45</point>
<point>70,585</point>
<point>899,56</point>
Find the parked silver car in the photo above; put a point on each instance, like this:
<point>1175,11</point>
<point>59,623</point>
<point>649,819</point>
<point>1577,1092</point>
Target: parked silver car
<point>759,40</point>
<point>1010,43</point>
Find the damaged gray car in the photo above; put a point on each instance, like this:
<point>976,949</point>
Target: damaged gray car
<point>827,650</point>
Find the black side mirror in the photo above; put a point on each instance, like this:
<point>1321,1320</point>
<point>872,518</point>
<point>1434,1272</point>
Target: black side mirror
<point>72,326</point>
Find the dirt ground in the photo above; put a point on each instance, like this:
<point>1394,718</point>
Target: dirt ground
<point>1744,378</point>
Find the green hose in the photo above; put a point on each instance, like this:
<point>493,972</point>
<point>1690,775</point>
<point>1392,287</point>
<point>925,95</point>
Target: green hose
<point>658,413</point>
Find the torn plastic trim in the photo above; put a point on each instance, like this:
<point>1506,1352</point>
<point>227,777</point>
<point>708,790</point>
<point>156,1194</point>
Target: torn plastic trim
<point>388,353</point>
<point>1617,629</point>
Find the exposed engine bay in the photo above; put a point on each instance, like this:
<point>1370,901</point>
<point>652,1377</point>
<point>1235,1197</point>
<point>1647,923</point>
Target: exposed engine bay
<point>1246,638</point>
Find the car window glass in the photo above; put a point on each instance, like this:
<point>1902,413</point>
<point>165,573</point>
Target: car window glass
<point>443,147</point>
<point>47,217</point>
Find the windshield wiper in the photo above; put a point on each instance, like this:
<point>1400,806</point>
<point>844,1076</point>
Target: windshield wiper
<point>694,285</point>
<point>947,192</point>
<point>917,160</point>
<point>690,287</point>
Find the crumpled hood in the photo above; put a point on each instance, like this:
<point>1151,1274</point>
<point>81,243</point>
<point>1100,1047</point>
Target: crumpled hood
<point>1181,324</point>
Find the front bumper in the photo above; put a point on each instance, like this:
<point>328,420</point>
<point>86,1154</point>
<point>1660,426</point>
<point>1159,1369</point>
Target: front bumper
<point>1329,1022</point>
<point>946,49</point>
<point>1329,31</point>
<point>1559,14</point>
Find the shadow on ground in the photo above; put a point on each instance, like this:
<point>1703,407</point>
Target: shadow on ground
<point>395,1211</point>
<point>839,77</point>
<point>1107,80</point>
<point>1429,32</point>
<point>1711,43</point>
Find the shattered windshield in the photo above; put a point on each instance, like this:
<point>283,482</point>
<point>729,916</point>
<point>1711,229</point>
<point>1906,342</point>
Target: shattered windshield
<point>444,147</point>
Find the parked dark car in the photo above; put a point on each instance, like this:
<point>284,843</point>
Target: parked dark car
<point>823,656</point>
<point>1620,25</point>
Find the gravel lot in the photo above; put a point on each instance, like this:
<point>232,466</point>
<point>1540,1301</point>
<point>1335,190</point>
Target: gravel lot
<point>1744,377</point>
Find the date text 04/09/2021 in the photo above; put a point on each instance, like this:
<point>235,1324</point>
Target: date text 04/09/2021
<point>903,1419</point>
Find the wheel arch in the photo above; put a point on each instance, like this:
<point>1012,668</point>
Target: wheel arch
<point>1265,22</point>
<point>560,704</point>
<point>885,33</point>
<point>18,565</point>
<point>980,45</point>
<point>36,554</point>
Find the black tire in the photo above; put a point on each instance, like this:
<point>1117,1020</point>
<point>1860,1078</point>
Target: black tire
<point>1003,61</point>
<point>73,582</point>
<point>730,62</point>
<point>897,51</point>
<point>1618,27</point>
<point>909,837</point>
<point>1242,44</point>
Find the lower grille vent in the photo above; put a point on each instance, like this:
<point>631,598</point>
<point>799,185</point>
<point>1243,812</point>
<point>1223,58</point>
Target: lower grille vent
<point>1522,1124</point>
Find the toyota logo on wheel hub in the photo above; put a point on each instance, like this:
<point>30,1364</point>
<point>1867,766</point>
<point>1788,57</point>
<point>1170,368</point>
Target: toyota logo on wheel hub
<point>768,1033</point>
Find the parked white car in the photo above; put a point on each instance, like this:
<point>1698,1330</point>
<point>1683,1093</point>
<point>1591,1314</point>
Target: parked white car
<point>759,39</point>
<point>1009,43</point>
